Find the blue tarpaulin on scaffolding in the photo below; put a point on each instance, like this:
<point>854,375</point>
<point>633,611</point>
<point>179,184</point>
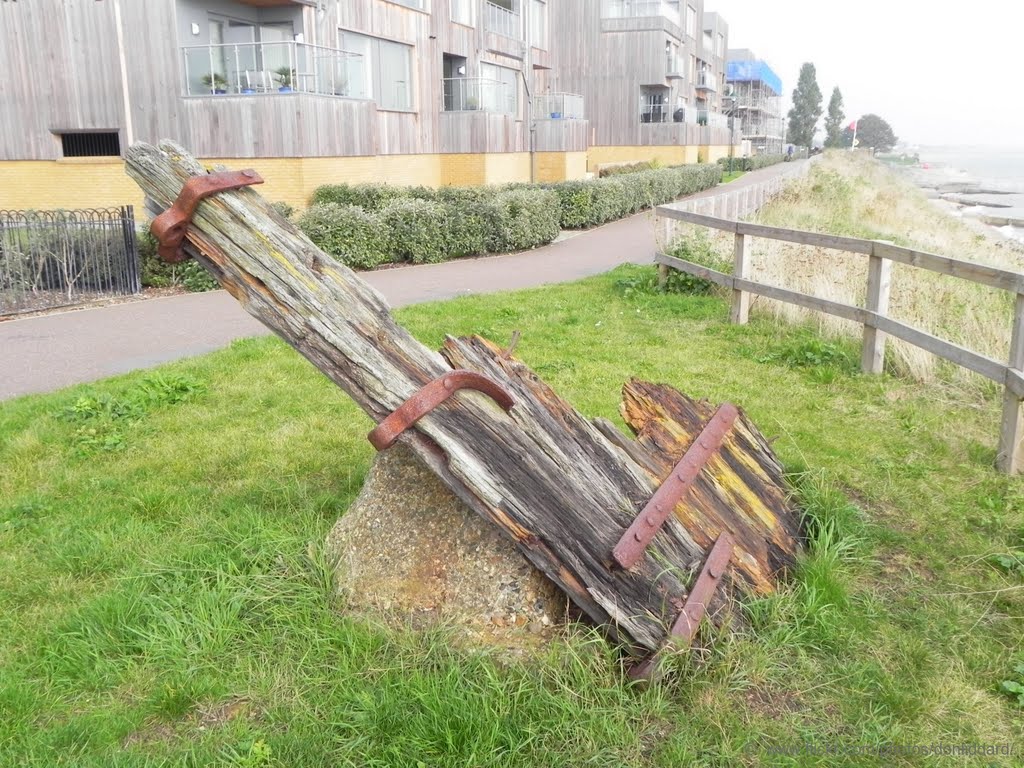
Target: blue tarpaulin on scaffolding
<point>752,71</point>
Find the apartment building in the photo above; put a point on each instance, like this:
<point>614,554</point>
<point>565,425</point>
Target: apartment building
<point>315,91</point>
<point>647,76</point>
<point>756,97</point>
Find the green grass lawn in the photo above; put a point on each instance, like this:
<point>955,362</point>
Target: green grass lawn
<point>165,600</point>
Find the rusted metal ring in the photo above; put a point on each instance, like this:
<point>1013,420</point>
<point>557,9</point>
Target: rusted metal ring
<point>429,397</point>
<point>634,542</point>
<point>171,226</point>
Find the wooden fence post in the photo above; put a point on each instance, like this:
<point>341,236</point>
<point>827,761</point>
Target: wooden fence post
<point>1008,459</point>
<point>872,358</point>
<point>740,312</point>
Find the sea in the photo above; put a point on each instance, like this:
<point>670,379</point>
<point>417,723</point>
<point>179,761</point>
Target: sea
<point>983,171</point>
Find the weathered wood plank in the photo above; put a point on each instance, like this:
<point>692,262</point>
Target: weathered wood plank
<point>547,477</point>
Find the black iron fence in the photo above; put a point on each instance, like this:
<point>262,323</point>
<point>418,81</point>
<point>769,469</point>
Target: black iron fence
<point>59,258</point>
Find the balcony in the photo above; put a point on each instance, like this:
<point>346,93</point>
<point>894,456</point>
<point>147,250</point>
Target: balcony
<point>706,81</point>
<point>273,68</point>
<point>503,18</point>
<point>633,9</point>
<point>712,119</point>
<point>558,106</point>
<point>472,94</point>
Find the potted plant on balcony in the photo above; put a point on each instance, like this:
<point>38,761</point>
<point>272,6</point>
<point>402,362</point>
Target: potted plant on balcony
<point>472,103</point>
<point>287,75</point>
<point>216,82</point>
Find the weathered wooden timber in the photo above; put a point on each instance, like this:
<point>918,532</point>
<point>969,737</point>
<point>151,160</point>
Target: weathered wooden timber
<point>562,488</point>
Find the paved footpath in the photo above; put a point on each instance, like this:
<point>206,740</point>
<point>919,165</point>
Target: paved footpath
<point>47,352</point>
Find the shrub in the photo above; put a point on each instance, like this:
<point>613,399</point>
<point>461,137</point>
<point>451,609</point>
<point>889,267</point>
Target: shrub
<point>287,211</point>
<point>370,197</point>
<point>618,170</point>
<point>469,227</point>
<point>526,218</point>
<point>355,237</point>
<point>417,230</point>
<point>157,273</point>
<point>576,203</point>
<point>751,163</point>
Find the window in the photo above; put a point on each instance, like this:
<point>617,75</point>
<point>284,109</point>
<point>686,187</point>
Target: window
<point>721,45</point>
<point>420,5</point>
<point>382,70</point>
<point>691,21</point>
<point>462,11</point>
<point>539,24</point>
<point>89,144</point>
<point>500,91</point>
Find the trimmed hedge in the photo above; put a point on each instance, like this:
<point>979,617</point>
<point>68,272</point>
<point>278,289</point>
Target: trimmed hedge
<point>754,163</point>
<point>365,225</point>
<point>354,237</point>
<point>525,219</point>
<point>416,230</point>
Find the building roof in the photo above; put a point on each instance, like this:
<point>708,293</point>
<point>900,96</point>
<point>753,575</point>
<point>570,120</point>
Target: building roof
<point>753,70</point>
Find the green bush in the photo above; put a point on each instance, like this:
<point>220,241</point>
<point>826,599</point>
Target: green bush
<point>618,170</point>
<point>417,230</point>
<point>369,197</point>
<point>526,218</point>
<point>355,237</point>
<point>188,275</point>
<point>469,227</point>
<point>748,164</point>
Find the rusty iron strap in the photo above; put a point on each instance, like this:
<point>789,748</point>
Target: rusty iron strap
<point>171,226</point>
<point>685,627</point>
<point>428,398</point>
<point>634,542</point>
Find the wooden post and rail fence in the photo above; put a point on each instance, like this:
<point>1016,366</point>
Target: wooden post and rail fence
<point>874,315</point>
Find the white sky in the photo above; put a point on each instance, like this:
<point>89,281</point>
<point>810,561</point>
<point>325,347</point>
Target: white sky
<point>939,72</point>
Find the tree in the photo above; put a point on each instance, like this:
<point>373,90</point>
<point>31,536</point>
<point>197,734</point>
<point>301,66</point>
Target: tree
<point>803,117</point>
<point>834,120</point>
<point>872,132</point>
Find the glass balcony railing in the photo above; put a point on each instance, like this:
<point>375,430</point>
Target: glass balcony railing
<point>628,9</point>
<point>558,106</point>
<point>468,94</point>
<point>273,68</point>
<point>503,21</point>
<point>707,81</point>
<point>712,119</point>
<point>662,113</point>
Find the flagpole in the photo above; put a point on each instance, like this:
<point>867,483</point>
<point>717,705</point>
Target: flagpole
<point>853,144</point>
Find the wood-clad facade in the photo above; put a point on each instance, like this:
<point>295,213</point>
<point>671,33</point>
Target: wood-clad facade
<point>414,91</point>
<point>123,66</point>
<point>638,65</point>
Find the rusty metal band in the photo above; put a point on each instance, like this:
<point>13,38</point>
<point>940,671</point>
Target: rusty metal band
<point>428,398</point>
<point>685,627</point>
<point>171,226</point>
<point>634,542</point>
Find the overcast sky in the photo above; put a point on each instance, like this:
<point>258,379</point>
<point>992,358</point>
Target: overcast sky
<point>939,72</point>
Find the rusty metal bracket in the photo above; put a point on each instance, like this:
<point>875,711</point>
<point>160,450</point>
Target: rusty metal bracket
<point>634,542</point>
<point>171,226</point>
<point>428,398</point>
<point>685,627</point>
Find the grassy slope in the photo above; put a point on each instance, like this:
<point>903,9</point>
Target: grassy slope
<point>165,601</point>
<point>850,194</point>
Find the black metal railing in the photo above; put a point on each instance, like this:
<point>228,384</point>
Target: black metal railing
<point>59,258</point>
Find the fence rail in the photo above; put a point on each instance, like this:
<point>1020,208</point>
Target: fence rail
<point>874,316</point>
<point>58,258</point>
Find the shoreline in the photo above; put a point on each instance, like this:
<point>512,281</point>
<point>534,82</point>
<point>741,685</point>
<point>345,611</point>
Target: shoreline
<point>987,206</point>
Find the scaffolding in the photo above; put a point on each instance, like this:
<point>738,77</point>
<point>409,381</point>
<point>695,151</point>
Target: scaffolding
<point>756,104</point>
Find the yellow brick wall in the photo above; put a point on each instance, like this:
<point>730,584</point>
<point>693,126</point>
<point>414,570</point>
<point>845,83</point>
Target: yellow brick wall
<point>506,167</point>
<point>718,151</point>
<point>666,155</point>
<point>49,184</point>
<point>575,165</point>
<point>101,183</point>
<point>463,170</point>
